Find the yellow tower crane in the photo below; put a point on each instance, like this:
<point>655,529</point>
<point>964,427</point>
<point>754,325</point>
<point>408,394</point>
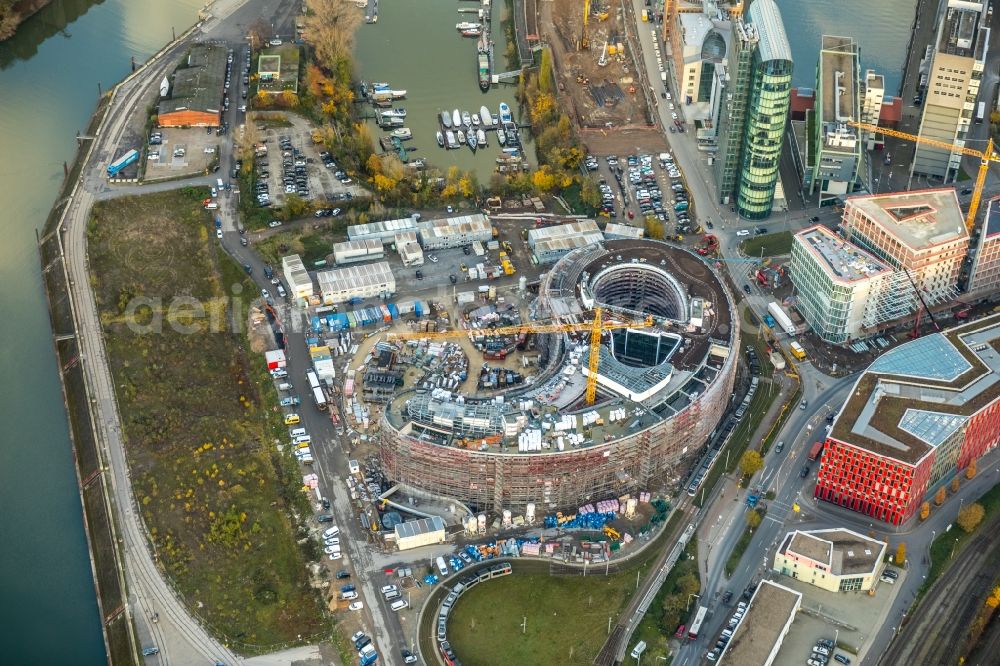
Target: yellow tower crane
<point>986,157</point>
<point>596,326</point>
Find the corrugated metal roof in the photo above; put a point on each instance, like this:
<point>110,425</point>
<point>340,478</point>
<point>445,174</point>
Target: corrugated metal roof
<point>766,17</point>
<point>412,528</point>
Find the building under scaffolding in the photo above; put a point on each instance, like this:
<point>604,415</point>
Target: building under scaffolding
<point>660,396</point>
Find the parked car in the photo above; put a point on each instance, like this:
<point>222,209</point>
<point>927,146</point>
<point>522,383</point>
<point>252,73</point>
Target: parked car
<point>804,472</point>
<point>743,232</point>
<point>356,606</point>
<point>324,517</point>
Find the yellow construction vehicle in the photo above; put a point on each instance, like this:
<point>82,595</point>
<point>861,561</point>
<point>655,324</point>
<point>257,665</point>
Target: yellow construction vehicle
<point>596,326</point>
<point>986,157</point>
<point>584,37</point>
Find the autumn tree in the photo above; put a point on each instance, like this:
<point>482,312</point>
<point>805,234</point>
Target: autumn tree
<point>925,510</point>
<point>970,471</point>
<point>955,483</point>
<point>330,26</point>
<point>970,515</point>
<point>751,462</point>
<point>543,179</point>
<point>754,518</point>
<point>994,599</point>
<point>900,558</point>
<point>939,496</point>
<point>653,228</point>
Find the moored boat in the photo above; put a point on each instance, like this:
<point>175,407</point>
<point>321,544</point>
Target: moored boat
<point>472,140</point>
<point>485,116</point>
<point>440,139</point>
<point>398,94</point>
<point>446,119</point>
<point>472,32</point>
<point>483,60</point>
<point>402,133</point>
<point>466,25</point>
<point>475,120</point>
<point>481,138</point>
<point>449,138</point>
<point>505,115</point>
<point>501,136</point>
<point>394,113</point>
<point>456,118</point>
<point>466,119</point>
<point>461,137</point>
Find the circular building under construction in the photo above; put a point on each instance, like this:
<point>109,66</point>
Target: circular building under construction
<point>662,385</point>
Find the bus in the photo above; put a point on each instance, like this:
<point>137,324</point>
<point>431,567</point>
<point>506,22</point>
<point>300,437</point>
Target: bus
<point>319,398</point>
<point>696,625</point>
<point>980,112</point>
<point>313,380</point>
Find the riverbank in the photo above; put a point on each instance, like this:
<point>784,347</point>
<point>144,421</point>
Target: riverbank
<point>13,13</point>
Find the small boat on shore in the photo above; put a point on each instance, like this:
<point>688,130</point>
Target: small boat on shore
<point>402,133</point>
<point>440,139</point>
<point>446,119</point>
<point>505,115</point>
<point>485,117</point>
<point>456,118</point>
<point>449,138</point>
<point>501,136</point>
<point>472,140</point>
<point>398,94</point>
<point>461,137</point>
<point>475,120</point>
<point>466,119</point>
<point>481,138</point>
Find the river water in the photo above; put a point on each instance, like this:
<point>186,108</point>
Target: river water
<point>415,47</point>
<point>881,28</point>
<point>49,74</point>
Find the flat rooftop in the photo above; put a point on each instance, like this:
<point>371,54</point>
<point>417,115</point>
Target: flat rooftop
<point>358,276</point>
<point>915,396</point>
<point>841,260</point>
<point>770,612</point>
<point>843,551</point>
<point>197,85</point>
<point>463,224</point>
<point>920,219</point>
<point>991,222</point>
<point>838,60</point>
<point>957,34</point>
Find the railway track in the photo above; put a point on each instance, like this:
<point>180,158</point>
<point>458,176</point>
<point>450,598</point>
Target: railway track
<point>942,621</point>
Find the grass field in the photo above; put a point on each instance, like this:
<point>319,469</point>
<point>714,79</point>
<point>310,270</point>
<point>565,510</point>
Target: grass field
<point>771,244</point>
<point>567,618</point>
<point>199,419</point>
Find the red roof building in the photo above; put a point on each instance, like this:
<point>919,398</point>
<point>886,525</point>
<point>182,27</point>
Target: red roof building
<point>803,99</point>
<point>891,113</point>
<point>915,419</point>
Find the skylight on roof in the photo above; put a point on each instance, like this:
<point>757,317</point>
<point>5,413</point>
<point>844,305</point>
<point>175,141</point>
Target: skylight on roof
<point>932,427</point>
<point>929,357</point>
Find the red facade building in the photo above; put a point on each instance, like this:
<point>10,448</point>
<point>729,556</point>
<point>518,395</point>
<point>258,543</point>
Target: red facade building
<point>917,417</point>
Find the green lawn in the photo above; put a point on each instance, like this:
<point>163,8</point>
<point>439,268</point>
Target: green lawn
<point>771,244</point>
<point>567,618</point>
<point>200,420</point>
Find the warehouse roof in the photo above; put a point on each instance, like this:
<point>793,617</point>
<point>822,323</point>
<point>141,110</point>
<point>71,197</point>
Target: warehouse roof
<point>358,276</point>
<point>915,396</point>
<point>841,550</point>
<point>919,219</point>
<point>562,231</point>
<point>613,230</point>
<point>381,229</point>
<point>412,528</point>
<point>463,224</point>
<point>758,636</point>
<point>295,271</point>
<point>359,247</point>
<point>198,84</point>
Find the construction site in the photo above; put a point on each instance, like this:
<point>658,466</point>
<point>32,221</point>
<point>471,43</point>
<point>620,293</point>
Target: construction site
<point>594,63</point>
<point>607,383</point>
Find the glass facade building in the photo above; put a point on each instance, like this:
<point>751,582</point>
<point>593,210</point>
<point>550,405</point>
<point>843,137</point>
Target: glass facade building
<point>767,113</point>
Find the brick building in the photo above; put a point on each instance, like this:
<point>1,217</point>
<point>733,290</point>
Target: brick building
<point>917,417</point>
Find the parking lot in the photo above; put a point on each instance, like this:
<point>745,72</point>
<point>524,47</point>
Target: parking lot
<point>181,152</point>
<point>295,165</point>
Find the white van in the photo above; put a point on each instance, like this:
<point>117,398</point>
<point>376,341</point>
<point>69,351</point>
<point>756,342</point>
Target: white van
<point>220,185</point>
<point>639,648</point>
<point>398,605</point>
<point>295,432</point>
<point>353,466</point>
<point>302,439</point>
<point>284,386</point>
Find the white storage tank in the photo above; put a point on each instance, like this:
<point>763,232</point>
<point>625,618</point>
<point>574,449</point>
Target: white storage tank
<point>529,513</point>
<point>470,525</point>
<point>482,523</point>
<point>506,518</point>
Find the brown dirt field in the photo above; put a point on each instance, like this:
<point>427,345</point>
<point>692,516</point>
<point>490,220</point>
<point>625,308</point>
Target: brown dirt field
<point>624,141</point>
<point>561,22</point>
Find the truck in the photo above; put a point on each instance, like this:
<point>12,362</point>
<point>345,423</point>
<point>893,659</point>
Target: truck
<point>980,112</point>
<point>319,399</point>
<point>130,157</point>
<point>815,451</point>
<point>442,568</point>
<point>797,350</point>
<point>783,319</point>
